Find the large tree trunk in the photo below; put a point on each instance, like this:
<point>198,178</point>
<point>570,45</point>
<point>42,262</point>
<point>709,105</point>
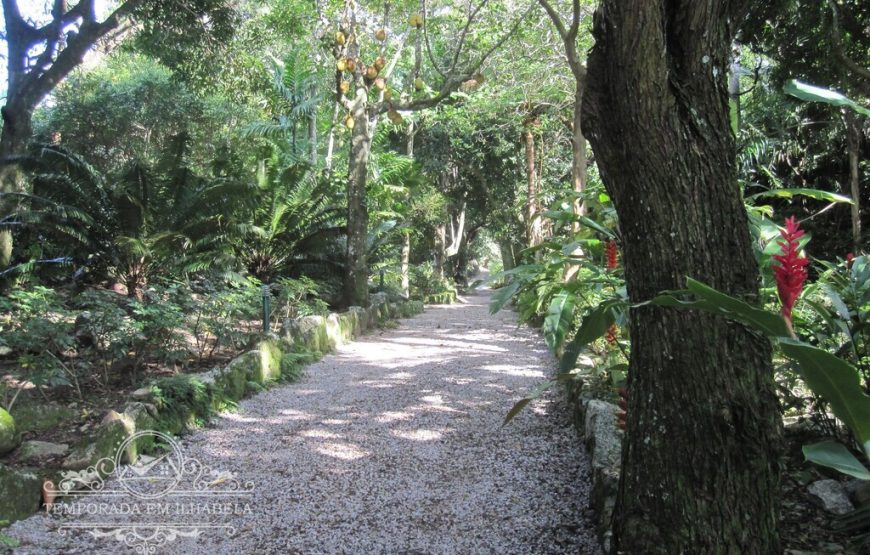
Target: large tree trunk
<point>853,142</point>
<point>17,129</point>
<point>356,289</point>
<point>700,467</point>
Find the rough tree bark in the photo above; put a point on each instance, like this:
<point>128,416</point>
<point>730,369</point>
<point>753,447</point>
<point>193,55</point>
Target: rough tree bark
<point>699,467</point>
<point>356,288</point>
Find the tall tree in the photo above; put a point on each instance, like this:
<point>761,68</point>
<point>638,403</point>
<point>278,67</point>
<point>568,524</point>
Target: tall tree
<point>364,114</point>
<point>568,34</point>
<point>697,383</point>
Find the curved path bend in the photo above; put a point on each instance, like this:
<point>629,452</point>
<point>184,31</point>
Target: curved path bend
<point>393,444</point>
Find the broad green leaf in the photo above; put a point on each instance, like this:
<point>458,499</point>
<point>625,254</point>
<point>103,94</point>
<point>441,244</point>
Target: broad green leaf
<point>519,405</point>
<point>592,224</point>
<point>835,380</point>
<point>569,248</point>
<point>560,314</point>
<point>835,455</point>
<point>594,325</point>
<point>815,194</point>
<point>711,300</point>
<point>503,295</point>
<point>805,91</point>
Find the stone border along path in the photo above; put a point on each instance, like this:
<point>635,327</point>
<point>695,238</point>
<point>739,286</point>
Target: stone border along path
<point>393,444</point>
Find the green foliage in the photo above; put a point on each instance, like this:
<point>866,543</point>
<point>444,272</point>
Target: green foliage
<point>181,398</point>
<point>424,282</point>
<point>36,326</point>
<point>293,225</point>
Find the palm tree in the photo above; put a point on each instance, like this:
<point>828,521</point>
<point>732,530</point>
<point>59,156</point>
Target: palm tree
<point>295,98</point>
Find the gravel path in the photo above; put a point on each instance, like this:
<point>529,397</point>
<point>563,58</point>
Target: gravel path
<point>392,445</point>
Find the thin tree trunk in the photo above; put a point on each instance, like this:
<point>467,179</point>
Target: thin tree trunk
<point>330,141</point>
<point>578,152</point>
<point>356,290</point>
<point>406,265</point>
<point>312,133</point>
<point>697,383</point>
<point>853,142</point>
<point>533,223</point>
<point>734,90</point>
<point>406,239</point>
<point>440,250</point>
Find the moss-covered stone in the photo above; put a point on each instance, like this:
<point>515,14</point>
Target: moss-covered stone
<point>38,416</point>
<point>349,323</point>
<point>8,433</point>
<point>333,332</point>
<point>142,418</point>
<point>34,451</point>
<point>362,318</point>
<point>448,297</point>
<point>233,378</point>
<point>20,493</point>
<point>103,443</point>
<point>270,362</point>
<point>308,333</point>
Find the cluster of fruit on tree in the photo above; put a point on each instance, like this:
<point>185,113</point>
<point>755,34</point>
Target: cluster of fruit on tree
<point>371,73</point>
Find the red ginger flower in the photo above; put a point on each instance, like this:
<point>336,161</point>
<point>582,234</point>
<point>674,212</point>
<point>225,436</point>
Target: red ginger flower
<point>611,334</point>
<point>612,252</point>
<point>791,273</point>
<point>850,259</point>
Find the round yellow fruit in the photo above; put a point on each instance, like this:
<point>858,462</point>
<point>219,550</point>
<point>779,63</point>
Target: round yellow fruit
<point>340,39</point>
<point>341,65</point>
<point>395,117</point>
<point>371,72</point>
<point>348,122</point>
<point>344,87</point>
<point>388,94</point>
<point>351,66</point>
<point>381,35</point>
<point>380,83</point>
<point>419,84</point>
<point>416,20</point>
<point>380,62</point>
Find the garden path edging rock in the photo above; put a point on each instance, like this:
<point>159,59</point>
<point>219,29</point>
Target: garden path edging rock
<point>212,391</point>
<point>595,420</point>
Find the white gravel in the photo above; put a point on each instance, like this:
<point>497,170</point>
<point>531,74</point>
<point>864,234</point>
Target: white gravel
<point>392,445</point>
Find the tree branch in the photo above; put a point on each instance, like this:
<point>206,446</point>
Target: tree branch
<point>837,42</point>
<point>426,39</point>
<point>37,86</point>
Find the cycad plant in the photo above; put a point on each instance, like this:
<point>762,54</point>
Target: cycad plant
<point>173,219</point>
<point>146,220</point>
<point>294,225</point>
